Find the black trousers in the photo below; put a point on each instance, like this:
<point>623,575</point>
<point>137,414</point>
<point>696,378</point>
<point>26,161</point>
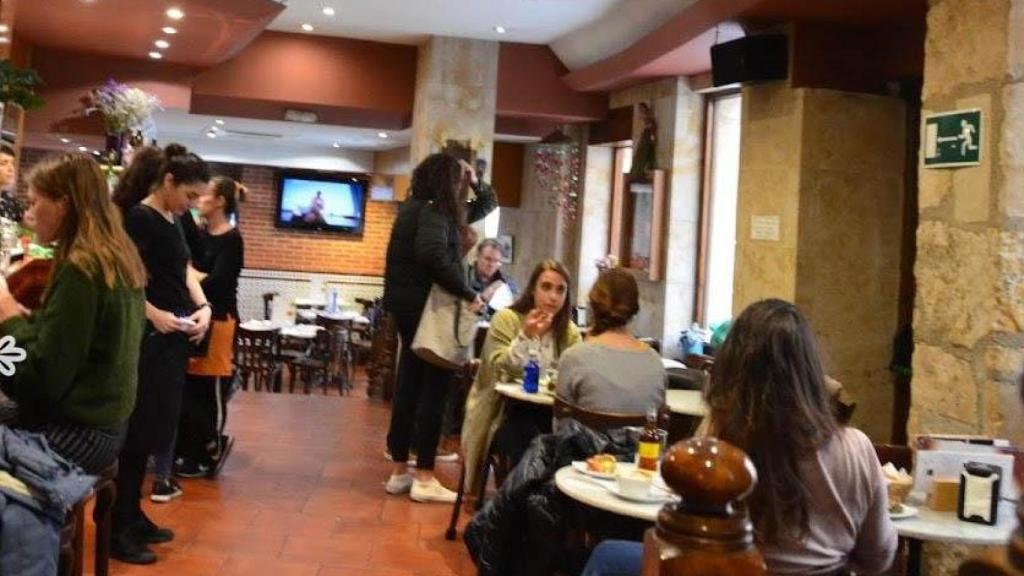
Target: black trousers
<point>419,401</point>
<point>203,414</point>
<point>162,364</point>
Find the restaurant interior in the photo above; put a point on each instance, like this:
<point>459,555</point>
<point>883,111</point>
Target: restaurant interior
<point>680,169</point>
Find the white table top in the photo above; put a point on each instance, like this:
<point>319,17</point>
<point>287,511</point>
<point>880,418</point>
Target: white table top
<point>670,363</point>
<point>688,402</point>
<point>582,489</point>
<point>286,328</point>
<point>311,302</point>
<point>932,526</point>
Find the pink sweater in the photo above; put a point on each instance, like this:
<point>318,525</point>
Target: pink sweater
<point>849,524</point>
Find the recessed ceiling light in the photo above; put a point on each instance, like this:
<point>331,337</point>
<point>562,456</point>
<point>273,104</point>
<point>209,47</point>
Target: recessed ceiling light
<point>219,122</point>
<point>175,13</point>
<point>500,29</point>
<point>211,134</point>
<point>83,149</point>
<point>4,40</point>
<point>4,28</point>
<point>65,141</point>
<point>162,44</point>
<point>336,145</point>
<point>156,55</point>
<point>328,11</point>
<point>169,30</point>
<point>382,134</point>
<point>307,27</point>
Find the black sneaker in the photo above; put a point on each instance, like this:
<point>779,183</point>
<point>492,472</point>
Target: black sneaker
<point>124,547</point>
<point>149,533</point>
<point>190,469</point>
<point>165,490</point>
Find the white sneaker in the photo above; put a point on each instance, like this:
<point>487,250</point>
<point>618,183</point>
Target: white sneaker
<point>410,462</point>
<point>431,491</point>
<point>398,484</point>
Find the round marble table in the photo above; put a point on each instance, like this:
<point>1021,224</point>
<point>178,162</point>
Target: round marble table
<point>304,331</point>
<point>932,526</point>
<point>590,491</point>
<point>688,402</point>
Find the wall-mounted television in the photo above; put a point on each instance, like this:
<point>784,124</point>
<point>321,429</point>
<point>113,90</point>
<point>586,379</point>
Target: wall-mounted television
<point>322,201</point>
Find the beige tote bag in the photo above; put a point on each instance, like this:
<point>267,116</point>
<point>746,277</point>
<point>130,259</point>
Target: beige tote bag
<point>445,335</point>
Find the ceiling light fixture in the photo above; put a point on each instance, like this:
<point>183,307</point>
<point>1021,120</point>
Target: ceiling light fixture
<point>162,44</point>
<point>336,145</point>
<point>500,29</point>
<point>211,134</point>
<point>382,135</point>
<point>83,149</point>
<point>4,40</point>
<point>65,141</point>
<point>307,27</point>
<point>4,28</point>
<point>219,122</point>
<point>328,11</point>
<point>156,55</point>
<point>169,30</point>
<point>175,13</point>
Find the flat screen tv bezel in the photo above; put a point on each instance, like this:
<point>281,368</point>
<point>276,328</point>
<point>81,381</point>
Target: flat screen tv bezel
<point>325,176</point>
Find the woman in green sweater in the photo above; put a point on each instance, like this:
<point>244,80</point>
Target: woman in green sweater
<point>539,321</point>
<point>76,384</point>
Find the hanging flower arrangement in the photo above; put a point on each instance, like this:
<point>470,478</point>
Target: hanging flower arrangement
<point>124,108</point>
<point>557,170</point>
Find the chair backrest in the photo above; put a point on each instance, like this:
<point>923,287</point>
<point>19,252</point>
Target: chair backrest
<point>255,348</point>
<point>268,299</point>
<point>602,421</point>
<point>699,361</point>
<point>686,378</point>
<point>900,456</point>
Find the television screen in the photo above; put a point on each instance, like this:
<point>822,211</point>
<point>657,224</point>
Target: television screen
<point>320,201</point>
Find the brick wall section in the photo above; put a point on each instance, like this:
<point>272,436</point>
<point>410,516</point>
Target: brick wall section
<point>267,247</point>
<point>270,248</point>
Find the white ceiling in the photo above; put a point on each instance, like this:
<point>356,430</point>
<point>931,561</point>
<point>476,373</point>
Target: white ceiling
<point>412,21</point>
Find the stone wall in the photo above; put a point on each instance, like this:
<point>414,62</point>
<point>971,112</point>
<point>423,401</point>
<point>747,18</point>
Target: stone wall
<point>595,216</point>
<point>666,306</point>
<point>969,310</point>
<point>829,166</point>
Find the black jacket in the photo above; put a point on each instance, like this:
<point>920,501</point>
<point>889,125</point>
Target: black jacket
<point>424,249</point>
<point>520,531</point>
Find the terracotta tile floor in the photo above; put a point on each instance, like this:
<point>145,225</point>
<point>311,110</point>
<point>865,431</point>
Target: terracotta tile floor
<point>303,495</point>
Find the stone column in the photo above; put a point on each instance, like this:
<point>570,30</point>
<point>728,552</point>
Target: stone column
<point>827,167</point>
<point>969,311</point>
<point>666,306</point>
<point>456,95</point>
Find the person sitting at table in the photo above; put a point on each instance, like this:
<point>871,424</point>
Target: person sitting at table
<point>612,371</point>
<point>538,320</point>
<point>821,504</point>
<point>485,274</point>
<point>76,385</point>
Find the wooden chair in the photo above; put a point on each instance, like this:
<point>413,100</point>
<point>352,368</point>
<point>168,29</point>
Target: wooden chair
<point>341,355</point>
<point>256,356</point>
<point>699,361</point>
<point>316,363</point>
<point>707,532</point>
<point>603,421</point>
<point>72,534</point>
<point>382,369</point>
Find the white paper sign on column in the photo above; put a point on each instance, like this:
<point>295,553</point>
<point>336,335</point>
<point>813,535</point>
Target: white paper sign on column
<point>764,228</point>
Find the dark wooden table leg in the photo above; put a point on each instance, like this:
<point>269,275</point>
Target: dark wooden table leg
<point>913,557</point>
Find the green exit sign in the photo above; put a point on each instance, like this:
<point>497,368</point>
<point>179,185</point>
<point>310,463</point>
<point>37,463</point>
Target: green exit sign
<point>952,139</point>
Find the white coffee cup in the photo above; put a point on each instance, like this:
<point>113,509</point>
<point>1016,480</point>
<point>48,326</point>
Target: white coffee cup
<point>634,484</point>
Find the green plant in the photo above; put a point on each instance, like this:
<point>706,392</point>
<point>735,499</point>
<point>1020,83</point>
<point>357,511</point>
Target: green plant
<point>18,86</point>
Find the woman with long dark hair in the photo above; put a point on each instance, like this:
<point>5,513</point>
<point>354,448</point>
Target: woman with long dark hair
<point>77,383</point>
<point>177,313</point>
<point>613,371</point>
<point>538,321</point>
<point>821,504</point>
<point>426,248</point>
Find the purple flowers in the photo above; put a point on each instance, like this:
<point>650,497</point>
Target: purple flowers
<point>124,108</point>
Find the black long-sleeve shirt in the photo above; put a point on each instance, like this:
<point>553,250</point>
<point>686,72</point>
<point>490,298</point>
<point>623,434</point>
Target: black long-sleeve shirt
<point>425,248</point>
<point>221,257</point>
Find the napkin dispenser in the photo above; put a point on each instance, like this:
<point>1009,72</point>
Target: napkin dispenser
<point>979,493</point>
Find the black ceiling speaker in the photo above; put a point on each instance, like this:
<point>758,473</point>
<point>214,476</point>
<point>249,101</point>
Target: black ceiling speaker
<point>750,59</point>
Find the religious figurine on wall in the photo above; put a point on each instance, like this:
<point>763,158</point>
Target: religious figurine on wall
<point>645,152</point>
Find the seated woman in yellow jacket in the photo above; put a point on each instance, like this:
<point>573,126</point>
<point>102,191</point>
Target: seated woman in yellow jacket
<point>538,321</point>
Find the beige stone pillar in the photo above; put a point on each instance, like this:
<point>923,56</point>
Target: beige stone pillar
<point>827,167</point>
<point>969,311</point>
<point>456,95</point>
<point>666,306</point>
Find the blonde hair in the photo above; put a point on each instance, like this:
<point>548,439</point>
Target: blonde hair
<point>92,237</point>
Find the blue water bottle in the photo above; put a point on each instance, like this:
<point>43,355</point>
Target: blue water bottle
<point>531,374</point>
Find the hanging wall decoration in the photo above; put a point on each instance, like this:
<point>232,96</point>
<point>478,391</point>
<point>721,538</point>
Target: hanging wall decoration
<point>557,170</point>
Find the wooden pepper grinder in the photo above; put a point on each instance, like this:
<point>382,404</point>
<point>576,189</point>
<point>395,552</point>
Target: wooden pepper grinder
<point>709,531</point>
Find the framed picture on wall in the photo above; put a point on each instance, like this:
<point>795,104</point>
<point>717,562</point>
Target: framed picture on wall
<point>508,248</point>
